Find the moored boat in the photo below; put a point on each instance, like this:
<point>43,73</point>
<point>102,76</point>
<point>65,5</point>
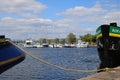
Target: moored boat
<point>10,55</point>
<point>29,43</point>
<point>45,45</point>
<point>81,44</point>
<point>108,45</point>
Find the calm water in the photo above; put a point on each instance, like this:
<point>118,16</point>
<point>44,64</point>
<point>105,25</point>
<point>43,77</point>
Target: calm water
<point>75,58</point>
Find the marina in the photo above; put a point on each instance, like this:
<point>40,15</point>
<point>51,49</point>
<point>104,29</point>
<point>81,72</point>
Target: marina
<point>29,43</point>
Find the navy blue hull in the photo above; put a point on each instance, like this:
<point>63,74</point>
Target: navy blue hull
<point>10,55</point>
<point>9,65</point>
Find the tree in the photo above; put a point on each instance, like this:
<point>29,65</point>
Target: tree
<point>56,40</point>
<point>94,38</point>
<point>88,38</point>
<point>43,40</point>
<point>71,38</point>
<point>62,41</point>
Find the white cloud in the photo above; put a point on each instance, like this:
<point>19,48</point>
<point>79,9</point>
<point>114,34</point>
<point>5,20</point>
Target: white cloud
<point>21,7</point>
<point>31,28</point>
<point>94,15</point>
<point>83,11</point>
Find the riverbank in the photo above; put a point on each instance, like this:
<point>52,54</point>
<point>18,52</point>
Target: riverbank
<point>108,75</point>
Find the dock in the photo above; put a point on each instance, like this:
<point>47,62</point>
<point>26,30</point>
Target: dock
<point>113,74</point>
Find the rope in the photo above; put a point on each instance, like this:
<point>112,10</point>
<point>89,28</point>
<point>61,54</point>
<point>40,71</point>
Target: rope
<point>59,67</point>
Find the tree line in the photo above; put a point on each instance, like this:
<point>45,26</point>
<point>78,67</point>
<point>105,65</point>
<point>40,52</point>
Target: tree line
<point>70,39</point>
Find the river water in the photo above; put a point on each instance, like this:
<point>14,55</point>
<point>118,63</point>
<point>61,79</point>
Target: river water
<point>75,58</point>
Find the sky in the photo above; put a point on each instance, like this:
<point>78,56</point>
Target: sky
<point>23,19</point>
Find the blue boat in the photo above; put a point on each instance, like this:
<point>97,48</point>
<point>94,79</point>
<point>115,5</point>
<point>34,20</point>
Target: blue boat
<point>10,55</point>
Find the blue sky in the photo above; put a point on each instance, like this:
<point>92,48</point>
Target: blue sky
<point>22,19</point>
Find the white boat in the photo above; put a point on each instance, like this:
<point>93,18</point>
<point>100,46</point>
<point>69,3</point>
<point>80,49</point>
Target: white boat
<point>55,45</point>
<point>29,43</point>
<point>37,45</point>
<point>44,45</point>
<point>81,44</point>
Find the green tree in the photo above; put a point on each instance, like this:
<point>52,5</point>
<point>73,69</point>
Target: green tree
<point>88,38</point>
<point>94,38</point>
<point>49,41</point>
<point>71,38</point>
<point>56,40</point>
<point>62,41</point>
<point>43,40</point>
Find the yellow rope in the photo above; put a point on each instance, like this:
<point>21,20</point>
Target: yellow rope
<point>59,67</point>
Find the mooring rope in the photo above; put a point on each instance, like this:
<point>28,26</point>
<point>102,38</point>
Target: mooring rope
<point>59,67</point>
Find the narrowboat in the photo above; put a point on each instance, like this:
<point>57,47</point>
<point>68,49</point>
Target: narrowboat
<point>10,54</point>
<point>108,45</point>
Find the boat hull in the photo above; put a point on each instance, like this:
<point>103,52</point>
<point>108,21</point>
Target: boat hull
<point>108,45</point>
<point>10,55</point>
<point>109,58</point>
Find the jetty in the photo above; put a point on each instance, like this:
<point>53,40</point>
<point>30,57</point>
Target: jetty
<point>113,74</point>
